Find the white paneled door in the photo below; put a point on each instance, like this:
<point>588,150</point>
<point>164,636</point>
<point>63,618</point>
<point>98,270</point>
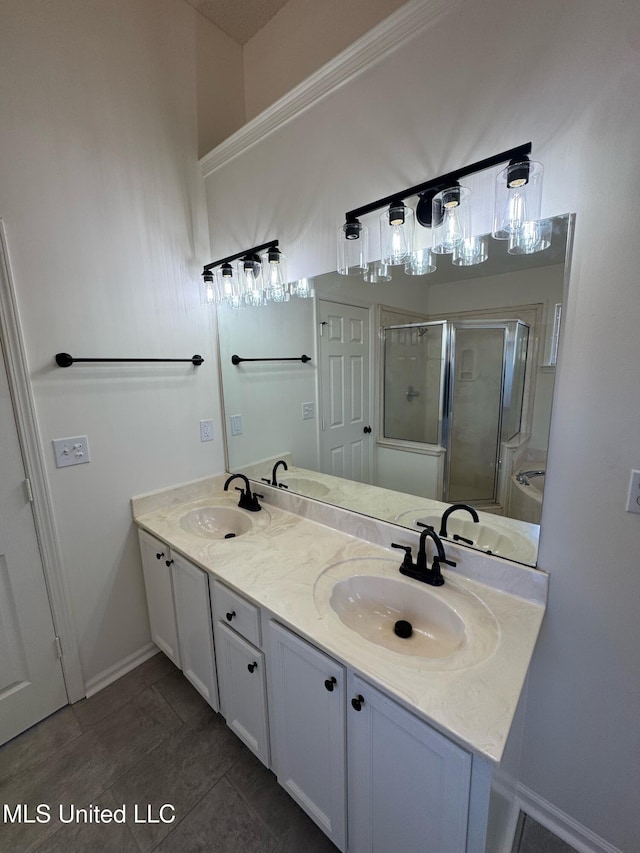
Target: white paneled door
<point>345,437</point>
<point>31,681</point>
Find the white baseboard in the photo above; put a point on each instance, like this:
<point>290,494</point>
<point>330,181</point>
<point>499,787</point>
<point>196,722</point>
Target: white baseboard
<point>565,827</point>
<point>113,673</point>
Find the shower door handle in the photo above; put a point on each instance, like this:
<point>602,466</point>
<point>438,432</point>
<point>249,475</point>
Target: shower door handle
<point>367,429</point>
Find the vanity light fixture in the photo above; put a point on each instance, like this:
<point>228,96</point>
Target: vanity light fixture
<point>256,280</point>
<point>444,207</point>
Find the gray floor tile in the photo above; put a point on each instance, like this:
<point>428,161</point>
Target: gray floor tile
<point>38,743</point>
<point>133,731</point>
<point>220,823</point>
<point>303,834</point>
<point>105,837</point>
<point>100,705</point>
<point>181,695</point>
<point>537,839</point>
<point>180,772</point>
<point>260,788</point>
<point>75,774</point>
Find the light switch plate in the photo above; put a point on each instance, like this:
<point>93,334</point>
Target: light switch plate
<point>71,451</point>
<point>236,424</point>
<point>308,411</point>
<point>633,498</point>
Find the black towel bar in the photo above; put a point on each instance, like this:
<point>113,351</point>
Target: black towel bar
<point>235,359</point>
<point>63,359</point>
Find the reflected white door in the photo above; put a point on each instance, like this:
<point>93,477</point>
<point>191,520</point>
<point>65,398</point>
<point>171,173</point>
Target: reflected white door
<point>31,681</point>
<point>344,389</point>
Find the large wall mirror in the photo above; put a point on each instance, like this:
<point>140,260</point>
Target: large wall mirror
<point>420,392</point>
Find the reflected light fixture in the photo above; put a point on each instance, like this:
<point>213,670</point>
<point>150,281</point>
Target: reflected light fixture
<point>444,207</point>
<point>256,281</point>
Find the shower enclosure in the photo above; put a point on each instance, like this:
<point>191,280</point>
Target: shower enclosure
<point>458,384</point>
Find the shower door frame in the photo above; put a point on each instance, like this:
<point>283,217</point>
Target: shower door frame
<point>509,325</point>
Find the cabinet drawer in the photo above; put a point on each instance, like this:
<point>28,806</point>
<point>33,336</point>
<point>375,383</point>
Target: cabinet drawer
<point>235,611</point>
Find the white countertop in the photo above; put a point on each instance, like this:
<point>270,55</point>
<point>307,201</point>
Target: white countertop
<point>285,558</point>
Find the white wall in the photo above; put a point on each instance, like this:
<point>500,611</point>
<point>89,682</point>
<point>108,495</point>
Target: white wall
<point>103,206</point>
<point>489,76</point>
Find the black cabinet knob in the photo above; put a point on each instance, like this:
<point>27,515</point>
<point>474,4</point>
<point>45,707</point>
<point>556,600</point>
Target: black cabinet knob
<point>252,666</point>
<point>357,703</point>
<point>160,555</point>
<point>168,562</point>
<point>330,683</point>
<point>230,615</point>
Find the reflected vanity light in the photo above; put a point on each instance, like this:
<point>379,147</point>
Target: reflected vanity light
<point>303,288</point>
<point>256,282</point>
<point>444,208</point>
<point>377,273</point>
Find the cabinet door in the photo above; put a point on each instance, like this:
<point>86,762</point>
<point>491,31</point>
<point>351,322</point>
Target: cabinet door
<point>408,784</point>
<point>193,614</point>
<point>243,686</point>
<point>306,701</point>
<point>160,602</point>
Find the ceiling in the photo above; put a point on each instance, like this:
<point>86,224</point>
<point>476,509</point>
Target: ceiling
<point>240,19</point>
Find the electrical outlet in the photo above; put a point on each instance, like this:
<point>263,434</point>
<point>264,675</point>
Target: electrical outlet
<point>633,498</point>
<point>308,411</point>
<point>236,424</point>
<point>71,451</point>
<point>206,430</point>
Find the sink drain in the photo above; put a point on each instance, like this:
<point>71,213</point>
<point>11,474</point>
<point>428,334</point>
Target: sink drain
<point>403,628</point>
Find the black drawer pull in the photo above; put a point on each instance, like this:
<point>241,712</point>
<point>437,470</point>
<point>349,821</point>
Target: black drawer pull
<point>160,555</point>
<point>168,562</point>
<point>252,666</point>
<point>357,703</point>
<point>230,615</point>
<point>330,683</point>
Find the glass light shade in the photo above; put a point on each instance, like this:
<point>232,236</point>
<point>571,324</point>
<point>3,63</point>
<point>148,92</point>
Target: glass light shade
<point>518,197</point>
<point>396,234</point>
<point>532,236</point>
<point>274,266</point>
<point>250,273</point>
<point>303,288</point>
<point>471,251</point>
<point>353,248</point>
<point>208,292</point>
<point>450,219</point>
<point>377,273</point>
<point>231,294</point>
<point>420,262</point>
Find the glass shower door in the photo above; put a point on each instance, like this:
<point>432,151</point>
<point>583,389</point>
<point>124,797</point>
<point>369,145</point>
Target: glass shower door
<point>476,385</point>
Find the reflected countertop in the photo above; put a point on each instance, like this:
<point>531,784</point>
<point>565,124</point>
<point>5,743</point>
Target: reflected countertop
<point>280,561</point>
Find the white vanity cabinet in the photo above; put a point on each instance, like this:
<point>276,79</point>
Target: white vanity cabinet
<point>307,716</point>
<point>241,668</point>
<point>408,784</point>
<point>180,613</point>
<point>158,582</point>
<point>195,634</point>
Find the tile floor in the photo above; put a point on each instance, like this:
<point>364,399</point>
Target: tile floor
<point>149,738</point>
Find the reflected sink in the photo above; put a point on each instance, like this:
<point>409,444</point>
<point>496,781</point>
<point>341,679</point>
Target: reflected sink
<point>216,522</point>
<point>305,486</point>
<point>372,605</point>
<point>498,539</point>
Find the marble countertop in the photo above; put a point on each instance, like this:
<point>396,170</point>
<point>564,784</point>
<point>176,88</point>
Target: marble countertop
<point>286,563</point>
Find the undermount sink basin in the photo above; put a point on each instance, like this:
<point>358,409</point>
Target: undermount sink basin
<point>305,486</point>
<point>371,606</point>
<point>216,522</point>
<point>485,536</point>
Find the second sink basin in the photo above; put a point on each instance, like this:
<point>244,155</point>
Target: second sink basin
<point>216,522</point>
<point>372,605</point>
<point>305,486</point>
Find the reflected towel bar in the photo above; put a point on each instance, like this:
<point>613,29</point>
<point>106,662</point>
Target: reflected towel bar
<point>63,359</point>
<point>235,359</point>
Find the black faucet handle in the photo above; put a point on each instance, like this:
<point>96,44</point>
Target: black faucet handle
<point>267,481</point>
<point>422,524</point>
<point>448,562</point>
<point>408,560</point>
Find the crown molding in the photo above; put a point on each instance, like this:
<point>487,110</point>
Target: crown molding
<point>394,32</point>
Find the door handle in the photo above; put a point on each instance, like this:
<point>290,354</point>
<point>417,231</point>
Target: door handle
<point>367,429</point>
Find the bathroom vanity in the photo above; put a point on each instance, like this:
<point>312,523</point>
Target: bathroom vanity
<point>285,625</point>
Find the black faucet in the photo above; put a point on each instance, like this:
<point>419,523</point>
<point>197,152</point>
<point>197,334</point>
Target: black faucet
<point>447,513</point>
<point>420,571</point>
<point>274,475</point>
<point>247,500</point>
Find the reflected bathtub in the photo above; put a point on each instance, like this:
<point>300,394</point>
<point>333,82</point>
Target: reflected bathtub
<point>525,499</point>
